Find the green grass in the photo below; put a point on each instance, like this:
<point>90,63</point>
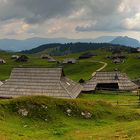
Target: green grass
<point>131,66</point>
<point>106,121</point>
<point>122,98</point>
<point>34,61</point>
<point>81,70</point>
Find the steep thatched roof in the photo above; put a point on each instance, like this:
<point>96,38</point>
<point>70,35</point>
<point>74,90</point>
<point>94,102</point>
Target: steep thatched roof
<point>39,81</point>
<point>124,83</point>
<point>1,83</point>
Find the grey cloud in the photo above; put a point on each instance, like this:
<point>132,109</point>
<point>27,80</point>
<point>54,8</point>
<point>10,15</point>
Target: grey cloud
<point>34,11</point>
<point>104,12</point>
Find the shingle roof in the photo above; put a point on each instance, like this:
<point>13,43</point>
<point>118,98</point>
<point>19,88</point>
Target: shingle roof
<point>69,60</point>
<point>1,83</point>
<point>124,83</point>
<point>39,81</point>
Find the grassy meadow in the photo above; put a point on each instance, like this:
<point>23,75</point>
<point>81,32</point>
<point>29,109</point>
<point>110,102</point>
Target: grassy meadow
<point>48,118</point>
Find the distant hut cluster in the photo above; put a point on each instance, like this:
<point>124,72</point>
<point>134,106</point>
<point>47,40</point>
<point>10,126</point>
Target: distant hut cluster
<point>69,61</point>
<point>22,58</point>
<point>109,81</point>
<point>2,61</point>
<point>117,58</point>
<point>86,55</point>
<point>48,58</point>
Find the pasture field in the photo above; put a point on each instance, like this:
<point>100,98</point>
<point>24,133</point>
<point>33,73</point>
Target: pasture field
<point>110,117</point>
<point>108,122</point>
<point>83,69</point>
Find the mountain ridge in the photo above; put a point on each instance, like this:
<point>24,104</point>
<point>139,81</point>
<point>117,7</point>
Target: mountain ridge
<point>30,43</point>
<point>127,41</point>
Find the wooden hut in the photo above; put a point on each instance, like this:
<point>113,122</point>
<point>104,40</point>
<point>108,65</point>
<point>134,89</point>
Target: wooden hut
<point>109,81</point>
<point>2,61</point>
<point>86,55</point>
<point>120,56</point>
<point>22,58</point>
<point>51,60</point>
<point>39,81</point>
<point>48,58</point>
<point>138,50</point>
<point>69,61</point>
<point>14,57</point>
<point>117,61</point>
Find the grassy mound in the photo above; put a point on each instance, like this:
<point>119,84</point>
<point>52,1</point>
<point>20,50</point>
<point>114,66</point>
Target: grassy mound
<point>46,108</point>
<point>38,118</point>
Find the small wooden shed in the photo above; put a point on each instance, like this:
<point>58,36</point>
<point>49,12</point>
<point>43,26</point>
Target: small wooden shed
<point>117,61</point>
<point>69,61</point>
<point>45,56</point>
<point>14,57</point>
<point>86,55</point>
<point>109,81</point>
<point>2,61</point>
<point>39,81</point>
<point>22,58</point>
<point>138,50</point>
<point>48,58</point>
<point>51,60</point>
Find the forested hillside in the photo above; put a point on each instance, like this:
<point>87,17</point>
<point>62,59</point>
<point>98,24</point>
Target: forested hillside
<point>63,49</point>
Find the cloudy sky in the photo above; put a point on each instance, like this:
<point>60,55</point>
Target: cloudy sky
<point>69,18</point>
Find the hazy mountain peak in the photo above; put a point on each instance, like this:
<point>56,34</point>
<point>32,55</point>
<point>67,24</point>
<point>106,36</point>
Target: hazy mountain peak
<point>127,41</point>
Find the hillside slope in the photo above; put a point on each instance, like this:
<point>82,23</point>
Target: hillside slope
<point>126,41</point>
<point>65,49</point>
<point>38,118</point>
<point>26,44</point>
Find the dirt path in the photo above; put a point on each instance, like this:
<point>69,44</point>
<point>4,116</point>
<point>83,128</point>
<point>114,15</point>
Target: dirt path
<point>104,65</point>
